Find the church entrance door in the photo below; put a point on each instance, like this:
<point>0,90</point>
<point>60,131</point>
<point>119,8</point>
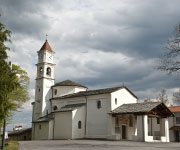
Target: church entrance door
<point>123,132</point>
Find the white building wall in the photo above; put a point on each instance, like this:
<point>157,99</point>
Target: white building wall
<point>97,119</point>
<point>41,131</point>
<point>140,129</point>
<point>62,102</point>
<point>78,115</point>
<point>123,97</point>
<point>65,90</point>
<point>51,129</point>
<point>63,125</point>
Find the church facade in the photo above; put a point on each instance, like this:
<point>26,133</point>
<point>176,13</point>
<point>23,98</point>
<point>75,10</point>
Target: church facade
<point>68,110</point>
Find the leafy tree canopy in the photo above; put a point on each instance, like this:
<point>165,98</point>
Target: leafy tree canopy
<point>14,81</point>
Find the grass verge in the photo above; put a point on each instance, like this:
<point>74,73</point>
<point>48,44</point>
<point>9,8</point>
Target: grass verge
<point>12,145</point>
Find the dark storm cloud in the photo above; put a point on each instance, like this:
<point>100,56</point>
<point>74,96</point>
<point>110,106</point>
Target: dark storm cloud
<point>140,30</point>
<point>25,18</point>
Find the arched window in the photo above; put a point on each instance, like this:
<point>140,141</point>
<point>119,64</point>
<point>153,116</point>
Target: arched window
<point>55,107</point>
<point>98,104</point>
<point>79,124</point>
<point>48,71</point>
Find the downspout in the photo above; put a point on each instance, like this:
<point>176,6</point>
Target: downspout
<point>143,127</point>
<point>53,125</point>
<point>85,117</point>
<point>151,127</point>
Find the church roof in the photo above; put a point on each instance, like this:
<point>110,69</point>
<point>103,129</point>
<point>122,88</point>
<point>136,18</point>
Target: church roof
<point>46,46</point>
<point>94,92</point>
<point>68,83</point>
<point>70,107</point>
<point>155,108</point>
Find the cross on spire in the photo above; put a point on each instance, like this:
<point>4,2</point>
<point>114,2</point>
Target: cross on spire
<point>46,36</point>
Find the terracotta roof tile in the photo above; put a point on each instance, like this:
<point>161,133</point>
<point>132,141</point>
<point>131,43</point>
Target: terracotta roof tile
<point>174,108</point>
<point>46,46</point>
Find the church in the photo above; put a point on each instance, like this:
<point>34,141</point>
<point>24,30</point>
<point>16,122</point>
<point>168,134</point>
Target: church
<point>68,110</point>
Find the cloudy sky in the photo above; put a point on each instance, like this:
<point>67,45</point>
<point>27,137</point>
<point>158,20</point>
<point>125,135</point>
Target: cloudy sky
<point>98,43</point>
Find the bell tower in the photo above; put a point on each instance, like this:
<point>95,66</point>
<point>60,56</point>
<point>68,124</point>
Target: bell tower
<point>44,81</point>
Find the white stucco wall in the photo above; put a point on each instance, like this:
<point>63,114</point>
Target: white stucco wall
<point>78,115</point>
<point>63,125</point>
<point>62,102</point>
<point>97,119</point>
<point>65,90</point>
<point>51,129</point>
<point>123,97</point>
<point>140,129</point>
<point>41,133</point>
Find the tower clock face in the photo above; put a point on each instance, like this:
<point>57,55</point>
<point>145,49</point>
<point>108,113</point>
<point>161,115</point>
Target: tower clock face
<point>49,56</point>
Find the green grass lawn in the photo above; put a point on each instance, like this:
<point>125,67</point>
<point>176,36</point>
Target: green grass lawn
<point>12,145</point>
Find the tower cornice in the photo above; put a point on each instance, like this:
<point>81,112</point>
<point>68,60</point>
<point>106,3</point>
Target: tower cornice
<point>45,63</point>
<point>45,78</point>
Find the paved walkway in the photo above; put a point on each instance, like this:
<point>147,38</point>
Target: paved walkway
<point>95,145</point>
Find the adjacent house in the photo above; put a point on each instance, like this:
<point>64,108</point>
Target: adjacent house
<point>20,134</point>
<point>174,124</point>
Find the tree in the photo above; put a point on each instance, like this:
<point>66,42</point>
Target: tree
<point>162,97</point>
<point>170,61</point>
<point>176,97</point>
<point>14,81</point>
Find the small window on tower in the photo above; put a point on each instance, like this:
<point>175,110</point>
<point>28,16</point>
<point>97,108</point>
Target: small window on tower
<point>39,90</point>
<point>55,107</point>
<point>40,126</point>
<point>40,70</point>
<point>48,72</point>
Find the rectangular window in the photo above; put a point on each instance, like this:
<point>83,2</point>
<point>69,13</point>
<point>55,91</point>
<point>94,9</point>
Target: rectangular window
<point>117,129</point>
<point>130,121</point>
<point>116,121</point>
<point>177,120</point>
<point>158,121</point>
<point>116,101</point>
